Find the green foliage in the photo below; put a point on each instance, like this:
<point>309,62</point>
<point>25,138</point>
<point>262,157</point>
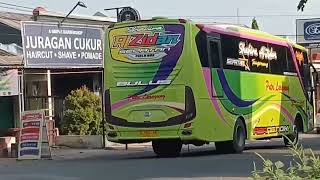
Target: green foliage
<point>83,115</point>
<point>305,165</point>
<point>254,24</point>
<point>302,4</point>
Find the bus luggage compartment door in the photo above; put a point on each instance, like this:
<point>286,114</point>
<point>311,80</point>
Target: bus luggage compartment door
<point>147,109</point>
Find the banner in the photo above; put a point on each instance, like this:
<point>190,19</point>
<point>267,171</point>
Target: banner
<point>30,135</point>
<point>47,45</point>
<point>8,82</point>
<point>308,31</point>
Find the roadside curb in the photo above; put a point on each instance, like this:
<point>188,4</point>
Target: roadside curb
<point>6,161</point>
<point>115,146</point>
<point>309,135</point>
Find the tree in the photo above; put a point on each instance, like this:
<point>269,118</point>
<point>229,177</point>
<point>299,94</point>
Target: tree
<point>254,24</point>
<point>83,115</point>
<point>302,4</point>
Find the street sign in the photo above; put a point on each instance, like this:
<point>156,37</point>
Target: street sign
<point>308,31</point>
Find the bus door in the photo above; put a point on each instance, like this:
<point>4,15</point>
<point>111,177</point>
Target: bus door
<point>215,62</point>
<point>305,71</point>
<point>309,90</point>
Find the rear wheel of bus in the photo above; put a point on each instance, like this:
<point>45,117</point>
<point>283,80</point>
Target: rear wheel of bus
<point>237,144</point>
<point>167,148</point>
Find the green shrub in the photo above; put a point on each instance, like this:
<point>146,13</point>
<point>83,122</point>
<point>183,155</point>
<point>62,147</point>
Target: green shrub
<point>305,165</point>
<point>83,113</point>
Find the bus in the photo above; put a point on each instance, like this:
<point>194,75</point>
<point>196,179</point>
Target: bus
<point>174,82</point>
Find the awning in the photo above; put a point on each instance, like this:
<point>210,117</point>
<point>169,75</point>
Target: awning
<point>11,61</point>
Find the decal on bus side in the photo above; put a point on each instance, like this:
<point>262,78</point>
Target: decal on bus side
<point>143,83</point>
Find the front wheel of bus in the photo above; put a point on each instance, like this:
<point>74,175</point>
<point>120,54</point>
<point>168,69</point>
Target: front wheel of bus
<point>292,139</point>
<point>167,148</point>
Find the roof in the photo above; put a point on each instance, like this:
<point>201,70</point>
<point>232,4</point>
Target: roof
<point>76,16</point>
<point>7,61</point>
<point>13,19</point>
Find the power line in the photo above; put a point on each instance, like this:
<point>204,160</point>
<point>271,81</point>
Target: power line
<point>242,16</point>
<point>8,4</point>
<point>3,17</point>
<point>4,34</point>
<point>14,8</point>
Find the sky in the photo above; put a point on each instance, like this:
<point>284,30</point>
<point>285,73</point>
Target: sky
<point>277,17</point>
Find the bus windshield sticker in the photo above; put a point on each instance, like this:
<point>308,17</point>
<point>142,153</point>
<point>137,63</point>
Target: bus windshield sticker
<point>241,62</point>
<point>250,55</point>
<point>265,53</point>
<point>146,43</point>
<point>299,56</point>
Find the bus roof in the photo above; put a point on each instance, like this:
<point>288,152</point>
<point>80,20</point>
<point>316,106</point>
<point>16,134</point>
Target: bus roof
<point>249,33</point>
<point>223,28</point>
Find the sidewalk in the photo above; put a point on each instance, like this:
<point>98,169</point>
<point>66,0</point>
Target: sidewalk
<point>65,153</point>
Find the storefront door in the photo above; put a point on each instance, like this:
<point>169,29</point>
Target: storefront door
<point>6,113</point>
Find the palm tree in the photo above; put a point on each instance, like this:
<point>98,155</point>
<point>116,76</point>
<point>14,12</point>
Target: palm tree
<point>254,24</point>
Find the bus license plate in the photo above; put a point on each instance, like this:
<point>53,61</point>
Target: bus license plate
<point>149,133</point>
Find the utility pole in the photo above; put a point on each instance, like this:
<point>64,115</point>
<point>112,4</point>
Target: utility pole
<point>238,20</point>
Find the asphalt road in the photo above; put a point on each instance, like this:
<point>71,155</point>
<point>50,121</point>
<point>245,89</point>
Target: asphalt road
<point>141,163</point>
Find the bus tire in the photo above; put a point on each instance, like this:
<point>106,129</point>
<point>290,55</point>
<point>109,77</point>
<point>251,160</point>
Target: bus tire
<point>167,148</point>
<point>237,144</point>
<point>292,139</point>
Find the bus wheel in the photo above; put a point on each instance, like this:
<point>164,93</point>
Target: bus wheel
<point>236,145</point>
<point>292,139</point>
<point>167,148</point>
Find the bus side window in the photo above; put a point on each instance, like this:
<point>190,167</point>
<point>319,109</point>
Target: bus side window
<point>290,67</point>
<point>214,53</point>
<point>201,41</point>
<point>230,52</point>
<point>278,65</point>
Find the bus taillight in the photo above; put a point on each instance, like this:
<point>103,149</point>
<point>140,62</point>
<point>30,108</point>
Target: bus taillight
<point>190,106</point>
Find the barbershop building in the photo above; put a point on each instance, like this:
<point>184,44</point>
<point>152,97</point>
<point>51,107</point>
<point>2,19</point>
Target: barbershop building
<point>60,58</point>
<point>51,60</point>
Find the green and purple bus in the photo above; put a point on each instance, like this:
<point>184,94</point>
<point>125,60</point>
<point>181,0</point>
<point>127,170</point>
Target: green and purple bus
<point>175,82</point>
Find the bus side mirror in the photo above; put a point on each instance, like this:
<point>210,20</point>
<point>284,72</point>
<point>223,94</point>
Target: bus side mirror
<point>306,70</point>
<point>311,89</point>
<point>315,77</point>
